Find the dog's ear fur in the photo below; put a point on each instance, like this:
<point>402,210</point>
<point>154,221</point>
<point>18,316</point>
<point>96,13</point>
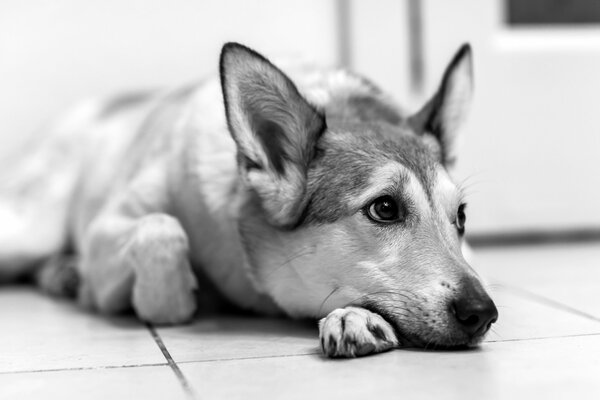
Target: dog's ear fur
<point>275,130</point>
<point>446,111</point>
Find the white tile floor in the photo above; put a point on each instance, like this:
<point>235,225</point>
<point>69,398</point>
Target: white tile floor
<point>546,345</point>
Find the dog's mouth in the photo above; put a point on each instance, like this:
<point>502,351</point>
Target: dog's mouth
<point>427,340</point>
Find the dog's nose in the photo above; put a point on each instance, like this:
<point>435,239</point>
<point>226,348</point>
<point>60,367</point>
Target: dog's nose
<point>475,313</point>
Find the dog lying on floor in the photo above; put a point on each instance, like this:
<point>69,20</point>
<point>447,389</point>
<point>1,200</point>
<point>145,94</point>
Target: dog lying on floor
<point>309,194</point>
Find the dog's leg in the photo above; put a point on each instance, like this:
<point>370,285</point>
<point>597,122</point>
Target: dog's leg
<point>58,276</point>
<point>354,331</point>
<point>142,263</point>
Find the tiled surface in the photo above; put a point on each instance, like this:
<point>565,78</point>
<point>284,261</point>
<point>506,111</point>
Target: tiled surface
<point>508,370</point>
<point>38,333</point>
<point>569,274</point>
<point>230,338</point>
<point>523,318</point>
<point>545,345</point>
<point>146,383</point>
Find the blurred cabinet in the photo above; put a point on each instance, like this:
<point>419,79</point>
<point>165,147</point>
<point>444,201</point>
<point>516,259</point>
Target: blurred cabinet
<point>530,157</point>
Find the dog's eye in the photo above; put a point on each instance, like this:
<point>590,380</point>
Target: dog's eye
<point>461,219</point>
<point>384,209</point>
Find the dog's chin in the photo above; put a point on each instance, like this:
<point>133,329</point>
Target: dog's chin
<point>445,341</point>
<point>451,345</point>
<point>429,341</point>
<point>424,338</point>
<point>417,334</point>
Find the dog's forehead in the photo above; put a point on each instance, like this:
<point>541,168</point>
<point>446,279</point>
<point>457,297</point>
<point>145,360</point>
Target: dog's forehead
<point>374,145</point>
<point>351,154</point>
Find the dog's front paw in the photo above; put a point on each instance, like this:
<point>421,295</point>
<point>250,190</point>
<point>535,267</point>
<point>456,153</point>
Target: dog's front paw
<point>353,331</point>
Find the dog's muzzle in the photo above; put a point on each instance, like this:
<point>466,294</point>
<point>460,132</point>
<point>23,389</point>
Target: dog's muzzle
<point>473,310</point>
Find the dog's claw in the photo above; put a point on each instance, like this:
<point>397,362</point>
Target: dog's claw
<point>354,332</point>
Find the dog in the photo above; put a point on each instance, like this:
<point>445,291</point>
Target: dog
<point>308,193</point>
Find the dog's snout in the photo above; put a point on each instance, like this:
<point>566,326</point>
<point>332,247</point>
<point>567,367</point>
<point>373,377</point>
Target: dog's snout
<point>475,317</point>
<point>475,311</point>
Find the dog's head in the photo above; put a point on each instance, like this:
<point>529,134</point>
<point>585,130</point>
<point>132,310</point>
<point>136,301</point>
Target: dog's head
<point>351,203</point>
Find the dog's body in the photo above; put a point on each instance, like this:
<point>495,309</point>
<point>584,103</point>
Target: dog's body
<point>321,200</point>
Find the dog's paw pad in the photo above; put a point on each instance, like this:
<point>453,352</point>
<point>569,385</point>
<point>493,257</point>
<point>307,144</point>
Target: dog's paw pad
<point>354,332</point>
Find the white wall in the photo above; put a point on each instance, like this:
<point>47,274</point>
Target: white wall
<point>53,53</point>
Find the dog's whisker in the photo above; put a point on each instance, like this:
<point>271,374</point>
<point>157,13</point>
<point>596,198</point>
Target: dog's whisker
<point>469,179</point>
<point>426,347</point>
<point>373,294</point>
<point>494,285</point>
<point>304,251</point>
<point>495,332</point>
<point>327,298</point>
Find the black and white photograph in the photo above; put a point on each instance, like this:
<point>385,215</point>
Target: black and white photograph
<point>299,199</point>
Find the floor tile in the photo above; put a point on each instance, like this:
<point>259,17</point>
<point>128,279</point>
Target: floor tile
<point>568,274</point>
<point>234,338</point>
<point>232,357</point>
<point>114,383</point>
<point>525,318</point>
<point>227,338</point>
<point>535,369</point>
<point>40,333</point>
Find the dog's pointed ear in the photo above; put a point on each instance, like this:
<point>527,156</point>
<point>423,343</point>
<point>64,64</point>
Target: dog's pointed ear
<point>275,130</point>
<point>443,115</point>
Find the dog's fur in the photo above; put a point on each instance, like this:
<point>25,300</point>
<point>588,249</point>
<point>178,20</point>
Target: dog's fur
<point>263,186</point>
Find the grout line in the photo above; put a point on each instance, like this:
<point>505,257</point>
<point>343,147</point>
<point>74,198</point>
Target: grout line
<point>174,367</point>
<point>250,358</point>
<point>29,371</point>
<point>543,338</point>
<point>549,302</point>
<point>398,349</point>
<point>182,378</point>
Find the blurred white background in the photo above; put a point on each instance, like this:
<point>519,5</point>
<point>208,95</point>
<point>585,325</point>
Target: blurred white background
<point>532,144</point>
